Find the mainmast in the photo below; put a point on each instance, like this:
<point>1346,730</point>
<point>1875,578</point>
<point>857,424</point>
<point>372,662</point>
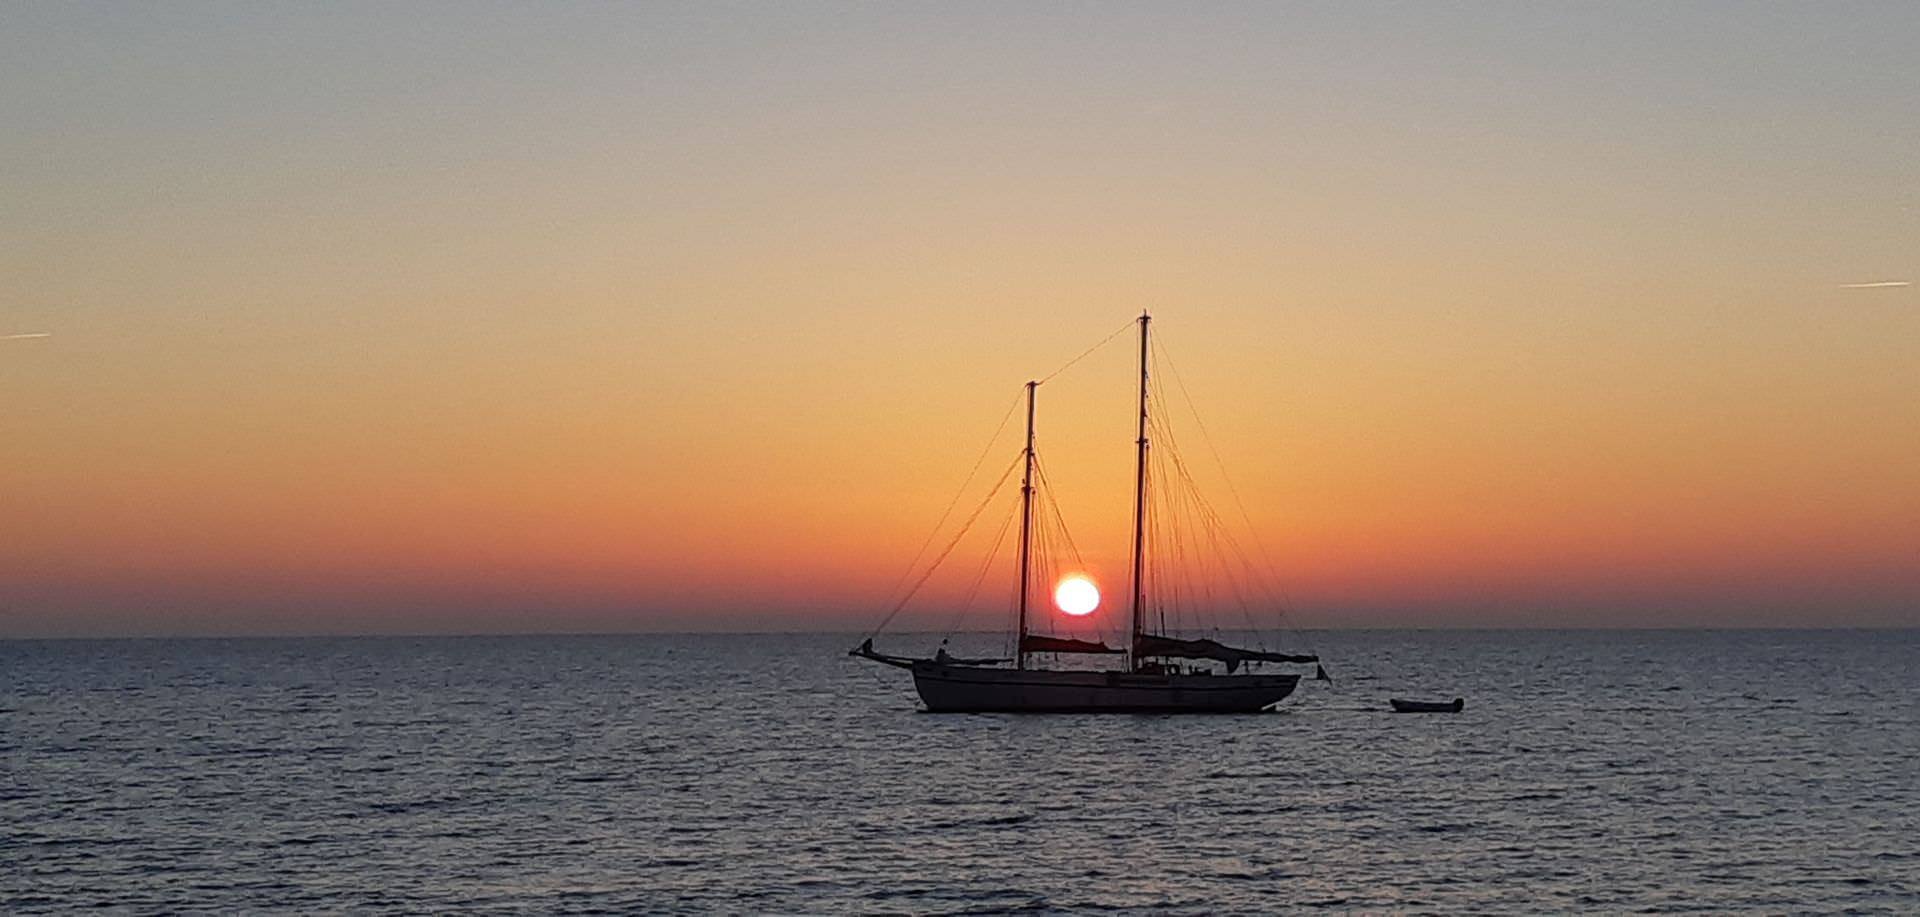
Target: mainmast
<point>1140,504</point>
<point>1026,536</point>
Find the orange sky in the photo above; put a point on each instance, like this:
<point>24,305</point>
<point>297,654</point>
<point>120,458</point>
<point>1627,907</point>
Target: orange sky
<point>659,318</point>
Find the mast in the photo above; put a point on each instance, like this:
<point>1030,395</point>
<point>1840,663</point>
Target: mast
<point>1140,503</point>
<point>1026,535</point>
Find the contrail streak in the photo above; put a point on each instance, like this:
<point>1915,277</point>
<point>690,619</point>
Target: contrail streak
<point>1876,284</point>
<point>29,334</point>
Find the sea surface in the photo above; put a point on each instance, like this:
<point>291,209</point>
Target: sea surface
<point>1592,771</point>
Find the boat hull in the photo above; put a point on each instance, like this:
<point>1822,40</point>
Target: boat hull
<point>973,689</point>
<point>1420,706</point>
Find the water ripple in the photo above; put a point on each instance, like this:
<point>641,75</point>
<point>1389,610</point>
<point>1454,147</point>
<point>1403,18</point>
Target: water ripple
<point>1611,772</point>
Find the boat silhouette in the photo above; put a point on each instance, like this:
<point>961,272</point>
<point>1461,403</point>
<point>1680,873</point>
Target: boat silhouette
<point>1148,678</point>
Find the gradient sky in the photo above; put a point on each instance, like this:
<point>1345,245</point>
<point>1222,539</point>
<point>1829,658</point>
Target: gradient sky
<point>336,318</point>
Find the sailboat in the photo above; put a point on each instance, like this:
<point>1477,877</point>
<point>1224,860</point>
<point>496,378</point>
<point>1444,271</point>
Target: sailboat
<point>1148,680</point>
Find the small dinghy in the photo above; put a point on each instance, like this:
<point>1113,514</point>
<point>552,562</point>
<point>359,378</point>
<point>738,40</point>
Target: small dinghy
<point>1427,706</point>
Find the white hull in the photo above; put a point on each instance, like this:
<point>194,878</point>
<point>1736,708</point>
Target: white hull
<point>974,689</point>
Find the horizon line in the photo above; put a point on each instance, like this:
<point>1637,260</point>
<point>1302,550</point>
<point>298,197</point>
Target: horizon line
<point>485,635</point>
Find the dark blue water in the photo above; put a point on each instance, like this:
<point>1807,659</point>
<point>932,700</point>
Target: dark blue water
<point>1592,771</point>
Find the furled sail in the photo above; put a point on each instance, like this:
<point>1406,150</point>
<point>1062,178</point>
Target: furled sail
<point>1034,643</point>
<point>1151,645</point>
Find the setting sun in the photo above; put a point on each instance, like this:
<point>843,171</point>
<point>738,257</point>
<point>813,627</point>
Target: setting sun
<point>1076,595</point>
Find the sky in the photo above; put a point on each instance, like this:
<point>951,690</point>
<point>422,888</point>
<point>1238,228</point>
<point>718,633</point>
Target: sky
<point>468,317</point>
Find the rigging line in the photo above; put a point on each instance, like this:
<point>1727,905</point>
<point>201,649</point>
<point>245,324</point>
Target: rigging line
<point>1010,631</point>
<point>1221,544</point>
<point>1059,518</point>
<point>1206,437</point>
<point>1185,583</point>
<point>947,550</point>
<point>1123,329</point>
<point>1202,550</point>
<point>1053,526</point>
<point>1038,621</point>
<point>913,564</point>
<point>1197,553</point>
<point>1213,526</point>
<point>986,567</point>
<point>1163,543</point>
<point>1218,534</point>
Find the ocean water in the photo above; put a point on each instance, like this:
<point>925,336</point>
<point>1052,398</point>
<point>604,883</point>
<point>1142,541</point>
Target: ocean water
<point>1609,772</point>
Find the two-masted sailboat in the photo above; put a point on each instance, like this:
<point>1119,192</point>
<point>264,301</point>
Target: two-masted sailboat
<point>1148,681</point>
